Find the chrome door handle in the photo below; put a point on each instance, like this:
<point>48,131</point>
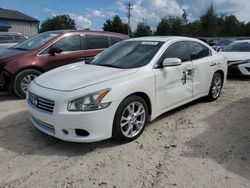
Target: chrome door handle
<point>213,64</point>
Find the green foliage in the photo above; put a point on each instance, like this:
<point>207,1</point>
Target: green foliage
<point>58,22</point>
<point>115,25</point>
<point>209,23</point>
<point>142,30</point>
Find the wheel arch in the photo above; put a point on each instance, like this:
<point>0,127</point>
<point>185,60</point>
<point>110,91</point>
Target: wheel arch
<point>222,73</point>
<point>145,97</point>
<point>29,68</point>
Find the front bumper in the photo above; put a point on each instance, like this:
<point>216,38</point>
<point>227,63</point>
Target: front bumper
<point>98,124</point>
<point>5,79</point>
<point>239,69</point>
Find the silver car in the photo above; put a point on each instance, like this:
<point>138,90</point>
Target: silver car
<point>9,39</point>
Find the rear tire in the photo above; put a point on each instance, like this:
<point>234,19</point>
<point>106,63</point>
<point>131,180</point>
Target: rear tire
<point>216,87</point>
<point>130,119</point>
<point>22,80</point>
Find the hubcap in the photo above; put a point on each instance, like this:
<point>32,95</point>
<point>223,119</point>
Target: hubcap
<point>26,81</point>
<point>216,87</point>
<point>133,119</point>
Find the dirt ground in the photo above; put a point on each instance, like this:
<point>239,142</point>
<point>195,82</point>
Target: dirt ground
<point>198,145</point>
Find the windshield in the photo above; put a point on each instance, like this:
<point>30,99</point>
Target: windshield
<point>128,54</point>
<point>35,42</point>
<point>238,47</point>
<point>224,42</point>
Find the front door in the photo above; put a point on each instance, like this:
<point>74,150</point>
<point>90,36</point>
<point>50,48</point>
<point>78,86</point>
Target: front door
<point>174,85</point>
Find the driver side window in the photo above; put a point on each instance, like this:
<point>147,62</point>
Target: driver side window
<point>69,43</point>
<point>177,50</point>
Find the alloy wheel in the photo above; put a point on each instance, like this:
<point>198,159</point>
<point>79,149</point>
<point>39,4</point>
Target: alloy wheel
<point>26,81</point>
<point>133,119</point>
<point>216,87</point>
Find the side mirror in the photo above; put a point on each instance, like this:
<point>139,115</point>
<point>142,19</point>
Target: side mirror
<point>220,49</point>
<point>55,50</point>
<point>170,62</point>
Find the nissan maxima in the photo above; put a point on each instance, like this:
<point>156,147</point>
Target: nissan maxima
<point>124,88</point>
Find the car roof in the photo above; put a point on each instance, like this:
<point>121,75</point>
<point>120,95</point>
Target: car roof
<point>89,32</point>
<point>163,38</point>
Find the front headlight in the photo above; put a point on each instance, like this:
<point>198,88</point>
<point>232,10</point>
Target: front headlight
<point>89,102</point>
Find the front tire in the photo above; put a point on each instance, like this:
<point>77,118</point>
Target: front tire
<point>130,119</point>
<point>216,87</point>
<point>22,80</point>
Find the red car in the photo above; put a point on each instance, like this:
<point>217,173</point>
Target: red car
<point>20,64</point>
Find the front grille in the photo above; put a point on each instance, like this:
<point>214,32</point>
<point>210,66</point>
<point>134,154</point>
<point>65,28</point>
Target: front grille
<point>41,103</point>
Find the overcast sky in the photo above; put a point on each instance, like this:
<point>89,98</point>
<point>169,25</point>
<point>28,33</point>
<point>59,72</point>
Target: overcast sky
<point>93,13</point>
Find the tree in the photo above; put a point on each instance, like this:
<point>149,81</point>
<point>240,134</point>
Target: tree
<point>58,22</point>
<point>142,30</point>
<point>194,29</point>
<point>231,26</point>
<point>208,22</point>
<point>115,25</point>
<point>163,27</point>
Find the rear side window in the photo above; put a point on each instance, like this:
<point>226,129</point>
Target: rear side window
<point>96,41</point>
<point>6,39</point>
<point>238,47</point>
<point>69,43</point>
<point>177,50</point>
<point>115,40</point>
<point>197,50</point>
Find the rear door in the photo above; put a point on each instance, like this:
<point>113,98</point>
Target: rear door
<point>204,64</point>
<point>94,44</point>
<point>174,84</point>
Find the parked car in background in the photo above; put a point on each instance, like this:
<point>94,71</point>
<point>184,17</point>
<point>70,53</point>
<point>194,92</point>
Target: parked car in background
<point>221,44</point>
<point>8,39</point>
<point>237,55</point>
<point>20,64</point>
<point>123,87</point>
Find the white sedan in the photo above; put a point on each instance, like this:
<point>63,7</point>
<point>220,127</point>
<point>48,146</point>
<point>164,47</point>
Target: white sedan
<point>124,87</point>
<point>237,55</point>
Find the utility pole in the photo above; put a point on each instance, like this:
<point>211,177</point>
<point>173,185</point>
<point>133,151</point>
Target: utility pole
<point>129,7</point>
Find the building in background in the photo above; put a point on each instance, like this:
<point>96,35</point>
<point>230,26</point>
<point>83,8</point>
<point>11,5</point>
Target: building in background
<point>15,21</point>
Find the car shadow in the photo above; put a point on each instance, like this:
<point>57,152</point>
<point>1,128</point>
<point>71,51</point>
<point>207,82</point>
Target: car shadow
<point>18,135</point>
<point>7,96</point>
<point>178,109</point>
<point>227,139</point>
<point>238,78</point>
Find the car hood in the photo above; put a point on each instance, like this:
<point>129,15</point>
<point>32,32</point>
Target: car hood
<point>6,53</point>
<point>236,56</point>
<point>79,75</point>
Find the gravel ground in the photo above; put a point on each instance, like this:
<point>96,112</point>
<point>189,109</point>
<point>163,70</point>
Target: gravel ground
<point>198,145</point>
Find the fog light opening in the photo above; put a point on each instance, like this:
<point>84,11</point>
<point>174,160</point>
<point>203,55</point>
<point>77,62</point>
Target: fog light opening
<point>81,132</point>
<point>65,132</point>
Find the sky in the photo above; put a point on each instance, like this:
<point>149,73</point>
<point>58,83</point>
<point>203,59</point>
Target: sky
<point>93,13</point>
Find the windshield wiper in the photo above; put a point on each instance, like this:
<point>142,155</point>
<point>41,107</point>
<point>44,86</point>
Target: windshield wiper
<point>24,49</point>
<point>109,65</point>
